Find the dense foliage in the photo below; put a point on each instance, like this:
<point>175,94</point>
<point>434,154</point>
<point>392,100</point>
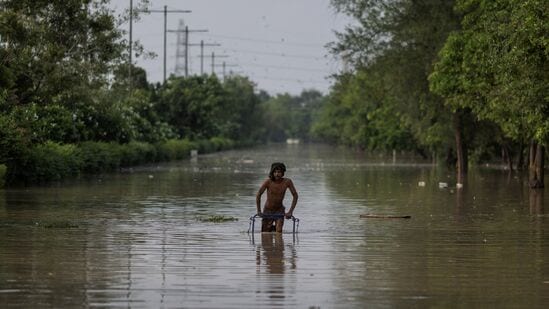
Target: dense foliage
<point>496,66</point>
<point>287,116</point>
<point>450,80</point>
<point>384,101</point>
<point>68,106</point>
<point>465,78</point>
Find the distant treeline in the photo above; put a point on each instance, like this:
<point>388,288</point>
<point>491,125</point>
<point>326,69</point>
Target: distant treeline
<point>460,80</point>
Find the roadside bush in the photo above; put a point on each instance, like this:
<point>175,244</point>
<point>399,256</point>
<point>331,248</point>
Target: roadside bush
<point>220,143</point>
<point>100,156</point>
<point>14,140</point>
<point>55,161</point>
<point>175,149</point>
<point>51,161</point>
<point>205,146</point>
<point>135,153</point>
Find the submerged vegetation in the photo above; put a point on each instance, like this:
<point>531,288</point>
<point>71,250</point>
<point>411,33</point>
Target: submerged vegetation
<point>56,225</point>
<point>217,219</point>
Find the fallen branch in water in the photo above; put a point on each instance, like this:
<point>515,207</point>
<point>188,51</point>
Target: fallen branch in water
<point>217,219</point>
<point>384,216</point>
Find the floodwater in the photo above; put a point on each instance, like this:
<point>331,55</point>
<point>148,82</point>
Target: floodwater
<point>138,238</point>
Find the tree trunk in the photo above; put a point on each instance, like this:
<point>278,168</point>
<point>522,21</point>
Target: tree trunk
<point>506,156</point>
<point>520,161</point>
<point>535,165</point>
<point>460,149</point>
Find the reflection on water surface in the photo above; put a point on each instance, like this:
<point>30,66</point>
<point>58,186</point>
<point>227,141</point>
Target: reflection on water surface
<point>134,239</point>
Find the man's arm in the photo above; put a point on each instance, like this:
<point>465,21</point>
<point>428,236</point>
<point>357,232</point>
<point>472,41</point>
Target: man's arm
<point>294,198</point>
<point>258,197</point>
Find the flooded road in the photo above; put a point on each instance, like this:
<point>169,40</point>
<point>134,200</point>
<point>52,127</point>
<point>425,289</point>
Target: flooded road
<point>139,239</point>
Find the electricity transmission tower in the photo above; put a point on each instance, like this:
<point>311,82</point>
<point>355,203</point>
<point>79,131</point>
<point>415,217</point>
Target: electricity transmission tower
<point>166,11</point>
<point>182,48</point>
<point>180,52</point>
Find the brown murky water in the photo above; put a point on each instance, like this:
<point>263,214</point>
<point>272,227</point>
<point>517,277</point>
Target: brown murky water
<point>135,240</point>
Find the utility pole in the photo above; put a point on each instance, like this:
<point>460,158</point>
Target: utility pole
<point>166,11</point>
<point>202,44</point>
<point>186,51</point>
<point>186,43</point>
<point>225,65</point>
<point>130,78</point>
<point>213,61</point>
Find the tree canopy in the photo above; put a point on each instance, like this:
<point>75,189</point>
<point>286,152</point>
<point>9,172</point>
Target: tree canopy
<point>497,66</point>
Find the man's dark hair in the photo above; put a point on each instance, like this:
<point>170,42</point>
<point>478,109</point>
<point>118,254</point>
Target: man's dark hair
<point>276,166</point>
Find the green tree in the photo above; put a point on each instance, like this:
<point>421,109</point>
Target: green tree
<point>496,66</point>
<point>56,57</point>
<point>56,50</point>
<point>287,116</point>
<point>334,114</point>
<point>362,114</point>
<point>395,43</point>
<point>194,106</point>
<point>242,118</point>
<point>277,117</point>
<point>310,102</point>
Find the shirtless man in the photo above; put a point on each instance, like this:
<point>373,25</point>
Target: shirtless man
<point>276,186</point>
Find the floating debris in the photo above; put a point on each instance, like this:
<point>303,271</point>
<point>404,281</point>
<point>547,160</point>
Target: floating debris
<point>384,216</point>
<point>56,225</point>
<point>217,219</point>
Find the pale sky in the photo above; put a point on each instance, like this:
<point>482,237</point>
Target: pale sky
<point>279,44</point>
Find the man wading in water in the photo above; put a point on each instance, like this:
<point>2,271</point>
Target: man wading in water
<point>276,186</point>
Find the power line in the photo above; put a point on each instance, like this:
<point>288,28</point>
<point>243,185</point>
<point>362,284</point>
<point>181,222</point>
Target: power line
<point>202,44</point>
<point>301,81</point>
<point>166,11</point>
<point>282,67</point>
<point>284,55</point>
<point>213,60</point>
<point>266,41</point>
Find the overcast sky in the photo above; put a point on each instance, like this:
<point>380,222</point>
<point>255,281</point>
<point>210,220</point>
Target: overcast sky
<point>279,44</point>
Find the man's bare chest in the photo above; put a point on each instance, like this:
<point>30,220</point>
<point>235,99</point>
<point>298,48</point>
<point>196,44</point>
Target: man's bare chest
<point>278,188</point>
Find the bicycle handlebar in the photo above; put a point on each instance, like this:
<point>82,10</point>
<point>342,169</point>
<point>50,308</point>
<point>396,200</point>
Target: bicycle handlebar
<point>274,216</point>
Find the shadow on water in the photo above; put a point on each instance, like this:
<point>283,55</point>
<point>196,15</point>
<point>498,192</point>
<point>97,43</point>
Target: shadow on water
<point>276,266</point>
<point>536,198</point>
<point>271,254</point>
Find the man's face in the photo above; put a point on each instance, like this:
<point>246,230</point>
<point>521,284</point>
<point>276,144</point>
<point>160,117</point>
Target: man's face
<point>277,173</point>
